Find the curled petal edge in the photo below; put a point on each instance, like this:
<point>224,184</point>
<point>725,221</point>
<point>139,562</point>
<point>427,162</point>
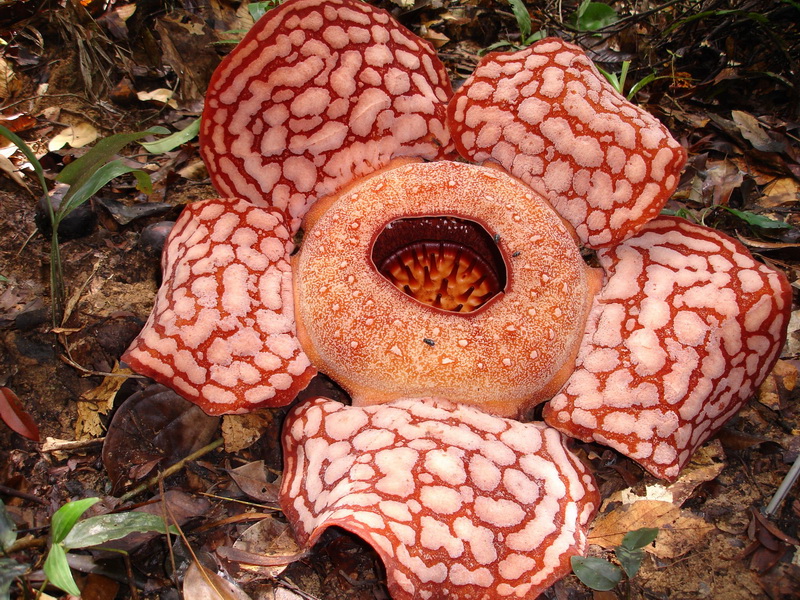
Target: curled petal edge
<point>455,501</point>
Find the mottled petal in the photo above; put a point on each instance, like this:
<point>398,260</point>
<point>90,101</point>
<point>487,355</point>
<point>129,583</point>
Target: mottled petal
<point>317,94</point>
<point>459,504</point>
<point>547,116</point>
<point>222,331</point>
<point>686,327</point>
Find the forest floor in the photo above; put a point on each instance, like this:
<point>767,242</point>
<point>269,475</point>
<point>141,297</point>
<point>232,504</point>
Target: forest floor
<point>727,85</point>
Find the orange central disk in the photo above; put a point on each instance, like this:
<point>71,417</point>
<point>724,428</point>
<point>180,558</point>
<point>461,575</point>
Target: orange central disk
<point>444,275</point>
<point>442,280</point>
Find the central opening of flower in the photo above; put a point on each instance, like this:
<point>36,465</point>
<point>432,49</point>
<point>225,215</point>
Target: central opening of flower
<point>445,262</point>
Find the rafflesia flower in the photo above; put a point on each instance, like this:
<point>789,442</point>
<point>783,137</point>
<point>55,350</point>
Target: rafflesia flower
<point>448,298</point>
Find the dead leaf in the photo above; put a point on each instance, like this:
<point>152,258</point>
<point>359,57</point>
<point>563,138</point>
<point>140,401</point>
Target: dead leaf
<point>779,192</point>
<point>160,96</point>
<point>6,77</point>
<point>76,136</point>
<point>97,403</point>
<point>681,536</point>
<point>263,551</point>
<point>751,130</point>
<point>252,480</point>
<point>201,584</point>
<point>776,391</point>
<point>154,426</point>
<point>706,464</point>
<point>10,169</point>
<point>187,46</point>
<point>609,529</point>
<point>242,431</point>
<point>722,177</point>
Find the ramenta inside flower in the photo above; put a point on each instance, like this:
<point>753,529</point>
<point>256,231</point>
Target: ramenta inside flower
<point>445,262</point>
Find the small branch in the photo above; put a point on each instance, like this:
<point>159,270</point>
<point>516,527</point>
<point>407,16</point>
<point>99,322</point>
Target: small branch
<point>172,469</point>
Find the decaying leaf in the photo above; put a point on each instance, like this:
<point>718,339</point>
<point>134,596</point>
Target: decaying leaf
<point>680,536</point>
<point>780,191</point>
<point>97,403</point>
<point>252,480</point>
<point>160,96</point>
<point>660,507</point>
<point>76,136</point>
<point>754,133</point>
<point>609,529</point>
<point>778,388</point>
<point>263,551</point>
<point>201,584</point>
<point>242,431</point>
<point>153,427</point>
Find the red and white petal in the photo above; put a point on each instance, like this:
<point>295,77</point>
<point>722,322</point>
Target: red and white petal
<point>686,327</point>
<point>222,331</point>
<point>318,94</point>
<point>550,118</point>
<point>459,504</point>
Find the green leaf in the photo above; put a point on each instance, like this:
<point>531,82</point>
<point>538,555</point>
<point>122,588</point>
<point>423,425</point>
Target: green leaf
<point>57,570</point>
<point>757,220</point>
<point>596,573</point>
<point>76,173</point>
<point>640,84</point>
<point>611,78</point>
<point>9,571</point>
<point>77,195</point>
<point>26,150</point>
<point>639,538</point>
<point>8,531</point>
<point>594,16</point>
<point>630,560</point>
<point>64,518</point>
<point>173,141</point>
<point>104,528</point>
<point>523,17</point>
<point>257,9</point>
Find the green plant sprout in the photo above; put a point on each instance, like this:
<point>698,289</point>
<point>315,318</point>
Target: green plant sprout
<point>602,575</point>
<point>68,533</point>
<point>257,9</point>
<point>751,218</point>
<point>524,24</point>
<point>618,81</point>
<point>593,16</point>
<point>84,176</point>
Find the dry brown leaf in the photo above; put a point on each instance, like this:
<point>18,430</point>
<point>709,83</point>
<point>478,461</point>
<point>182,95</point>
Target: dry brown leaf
<point>777,387</point>
<point>201,584</point>
<point>706,464</point>
<point>263,551</point>
<point>10,169</point>
<point>242,431</point>
<point>98,402</point>
<point>6,76</point>
<point>609,529</point>
<point>75,136</point>
<point>160,96</point>
<point>753,132</point>
<point>780,191</point>
<point>681,536</point>
<point>252,480</point>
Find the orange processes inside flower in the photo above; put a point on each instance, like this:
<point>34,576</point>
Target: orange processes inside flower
<point>447,263</point>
